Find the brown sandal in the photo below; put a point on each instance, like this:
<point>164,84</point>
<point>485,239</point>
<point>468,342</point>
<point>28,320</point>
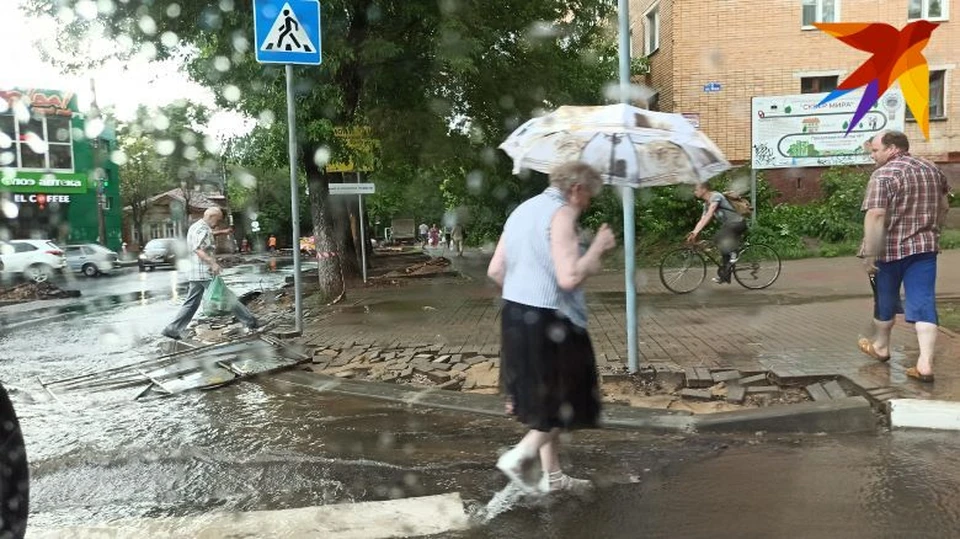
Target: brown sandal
<point>912,372</point>
<point>867,348</point>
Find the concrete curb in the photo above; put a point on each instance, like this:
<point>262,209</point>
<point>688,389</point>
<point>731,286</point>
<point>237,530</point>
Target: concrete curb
<point>407,517</point>
<point>924,414</point>
<point>853,414</point>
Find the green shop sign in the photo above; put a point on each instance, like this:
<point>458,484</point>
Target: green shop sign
<point>15,181</point>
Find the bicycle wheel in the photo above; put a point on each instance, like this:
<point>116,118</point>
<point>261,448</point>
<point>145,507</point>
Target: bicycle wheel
<point>757,268</point>
<point>682,270</point>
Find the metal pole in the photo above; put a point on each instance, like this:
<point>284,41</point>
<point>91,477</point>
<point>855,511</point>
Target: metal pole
<point>294,202</point>
<point>98,172</point>
<point>363,238</point>
<point>629,201</point>
<point>753,195</point>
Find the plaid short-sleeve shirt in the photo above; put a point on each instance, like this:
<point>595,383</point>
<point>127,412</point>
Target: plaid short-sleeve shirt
<point>199,236</point>
<point>911,191</point>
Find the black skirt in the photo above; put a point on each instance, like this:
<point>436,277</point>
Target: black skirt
<point>548,369</point>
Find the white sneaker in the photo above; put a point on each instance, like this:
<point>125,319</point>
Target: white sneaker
<point>512,464</point>
<point>559,481</point>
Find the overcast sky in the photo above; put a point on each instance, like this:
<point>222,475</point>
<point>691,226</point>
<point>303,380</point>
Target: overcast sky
<point>124,87</point>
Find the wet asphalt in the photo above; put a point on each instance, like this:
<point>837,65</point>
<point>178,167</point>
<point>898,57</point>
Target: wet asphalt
<point>268,445</point>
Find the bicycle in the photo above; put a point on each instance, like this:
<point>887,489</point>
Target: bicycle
<point>690,262</point>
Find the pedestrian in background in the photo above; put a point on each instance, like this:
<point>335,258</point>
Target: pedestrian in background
<point>456,238</point>
<point>906,205</point>
<point>548,368</point>
<point>203,267</point>
<point>424,231</point>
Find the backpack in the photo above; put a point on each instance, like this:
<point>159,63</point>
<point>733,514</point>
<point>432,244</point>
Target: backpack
<point>739,204</point>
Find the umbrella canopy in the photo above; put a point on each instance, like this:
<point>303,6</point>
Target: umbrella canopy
<point>629,146</point>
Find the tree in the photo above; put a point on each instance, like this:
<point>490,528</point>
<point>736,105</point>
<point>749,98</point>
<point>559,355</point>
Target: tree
<point>140,176</point>
<point>439,83</point>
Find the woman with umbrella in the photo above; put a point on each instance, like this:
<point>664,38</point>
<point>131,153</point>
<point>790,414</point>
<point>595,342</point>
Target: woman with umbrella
<point>548,367</point>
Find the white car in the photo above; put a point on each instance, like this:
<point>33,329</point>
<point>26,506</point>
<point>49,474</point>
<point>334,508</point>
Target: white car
<point>92,259</point>
<point>36,260</point>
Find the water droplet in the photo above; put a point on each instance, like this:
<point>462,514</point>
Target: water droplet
<point>266,119</point>
<point>165,147</point>
<point>159,122</point>
<point>475,181</point>
<point>231,93</point>
<point>542,30</point>
<point>86,9</point>
<point>226,6</point>
<point>119,157</point>
<point>5,141</point>
<point>147,25</point>
<point>10,211</point>
<point>221,64</point>
<point>106,7</point>
<point>93,128</point>
<point>173,11</point>
<point>322,156</point>
<point>557,333</point>
<point>36,144</point>
<point>169,39</point>
<point>66,15</point>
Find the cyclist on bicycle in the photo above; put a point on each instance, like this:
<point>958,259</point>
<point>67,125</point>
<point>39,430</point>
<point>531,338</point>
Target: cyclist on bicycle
<point>732,227</point>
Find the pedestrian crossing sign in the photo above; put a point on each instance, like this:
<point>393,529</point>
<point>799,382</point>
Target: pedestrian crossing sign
<point>287,31</point>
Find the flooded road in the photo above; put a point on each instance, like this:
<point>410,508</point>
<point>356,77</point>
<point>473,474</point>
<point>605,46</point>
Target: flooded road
<point>900,485</point>
<point>269,445</point>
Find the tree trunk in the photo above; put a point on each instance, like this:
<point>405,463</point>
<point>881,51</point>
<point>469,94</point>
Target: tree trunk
<point>329,272</point>
<point>138,210</point>
<point>342,230</point>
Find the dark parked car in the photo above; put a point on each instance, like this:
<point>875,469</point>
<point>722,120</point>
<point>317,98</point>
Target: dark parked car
<point>161,252</point>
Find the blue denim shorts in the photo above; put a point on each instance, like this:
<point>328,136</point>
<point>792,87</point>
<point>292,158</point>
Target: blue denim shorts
<point>917,274</point>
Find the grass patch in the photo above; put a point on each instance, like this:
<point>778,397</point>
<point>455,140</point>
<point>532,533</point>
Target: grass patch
<point>949,312</point>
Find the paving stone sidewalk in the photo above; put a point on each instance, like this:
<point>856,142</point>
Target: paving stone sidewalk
<point>807,324</point>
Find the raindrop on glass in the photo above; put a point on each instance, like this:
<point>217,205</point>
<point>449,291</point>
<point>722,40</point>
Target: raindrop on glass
<point>322,156</point>
<point>147,25</point>
<point>86,9</point>
<point>221,64</point>
<point>231,93</point>
<point>169,39</point>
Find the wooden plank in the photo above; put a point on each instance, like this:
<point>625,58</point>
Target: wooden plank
<point>698,377</point>
<point>817,392</point>
<point>834,390</point>
<point>725,376</point>
<point>736,394</point>
<point>756,379</point>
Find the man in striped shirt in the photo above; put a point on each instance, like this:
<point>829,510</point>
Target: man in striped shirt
<point>906,205</point>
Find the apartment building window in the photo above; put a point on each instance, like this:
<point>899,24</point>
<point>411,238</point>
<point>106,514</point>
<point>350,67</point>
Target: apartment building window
<point>927,9</point>
<point>816,85</point>
<point>820,11</point>
<point>938,105</point>
<point>43,143</point>
<point>651,30</point>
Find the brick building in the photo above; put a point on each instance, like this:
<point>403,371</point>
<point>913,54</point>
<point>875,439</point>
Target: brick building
<point>709,58</point>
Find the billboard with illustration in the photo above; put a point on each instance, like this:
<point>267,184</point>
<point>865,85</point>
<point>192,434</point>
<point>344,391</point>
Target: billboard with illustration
<point>792,131</point>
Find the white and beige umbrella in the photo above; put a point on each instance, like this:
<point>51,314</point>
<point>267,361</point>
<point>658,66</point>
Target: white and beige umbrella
<point>628,145</point>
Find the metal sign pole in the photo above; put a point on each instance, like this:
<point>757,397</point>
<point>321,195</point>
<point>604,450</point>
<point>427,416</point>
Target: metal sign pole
<point>294,202</point>
<point>753,194</point>
<point>363,237</point>
<point>629,201</point>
